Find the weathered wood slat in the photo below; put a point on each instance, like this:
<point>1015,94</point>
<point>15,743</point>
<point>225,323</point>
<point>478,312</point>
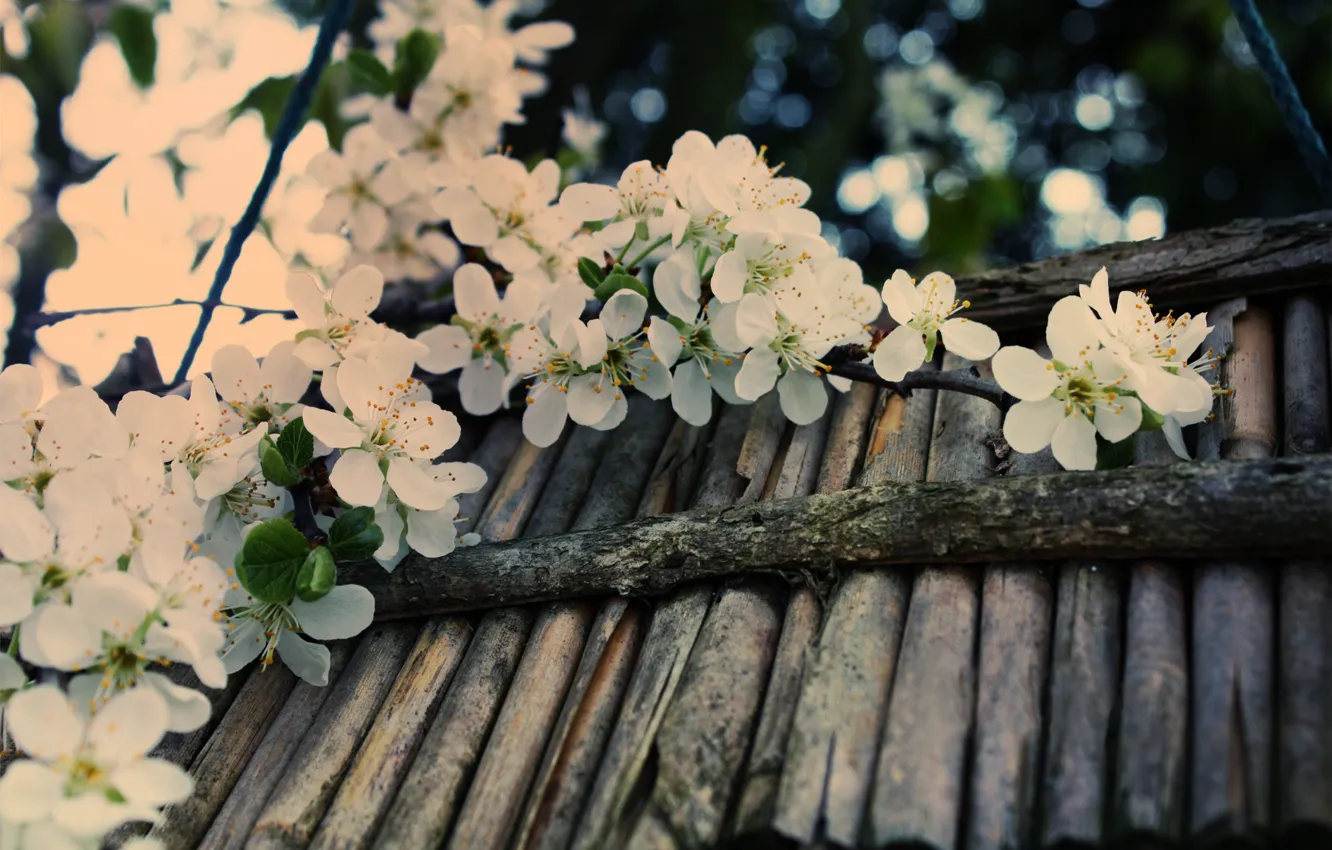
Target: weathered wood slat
<point>795,474</point>
<point>830,758</point>
<point>920,779</point>
<point>229,749</point>
<point>621,788</point>
<point>1189,269</point>
<point>1182,511</point>
<point>1233,620</point>
<point>1304,678</point>
<point>707,727</point>
<point>626,468</point>
<point>391,744</point>
<point>571,479</point>
<point>332,739</point>
<point>231,826</point>
<point>1017,608</point>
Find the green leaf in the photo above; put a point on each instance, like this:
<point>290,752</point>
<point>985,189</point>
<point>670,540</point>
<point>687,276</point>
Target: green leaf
<point>296,444</point>
<point>133,28</point>
<point>270,560</point>
<point>368,74</point>
<point>591,273</point>
<point>275,466</point>
<point>354,535</point>
<point>641,232</point>
<point>414,57</point>
<point>615,281</point>
<point>318,575</point>
<point>1114,455</point>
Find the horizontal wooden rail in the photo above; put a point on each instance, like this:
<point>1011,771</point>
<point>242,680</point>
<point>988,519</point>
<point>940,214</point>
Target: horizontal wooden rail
<point>1193,269</point>
<point>1222,509</point>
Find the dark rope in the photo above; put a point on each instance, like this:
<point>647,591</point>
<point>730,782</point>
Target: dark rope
<point>293,117</point>
<point>1286,95</point>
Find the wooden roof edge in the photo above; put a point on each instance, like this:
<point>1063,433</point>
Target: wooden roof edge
<point>1192,268</point>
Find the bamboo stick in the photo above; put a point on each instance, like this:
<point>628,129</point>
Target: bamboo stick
<point>920,777</point>
<point>830,758</point>
<point>1233,620</point>
<point>1017,609</point>
<point>661,661</point>
<point>1304,678</point>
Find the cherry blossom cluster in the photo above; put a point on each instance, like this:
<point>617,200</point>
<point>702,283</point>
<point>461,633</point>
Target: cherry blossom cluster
<point>1113,371</point>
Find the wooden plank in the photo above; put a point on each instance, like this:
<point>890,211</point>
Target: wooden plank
<point>830,759</point>
<point>1233,620</point>
<point>1304,677</point>
<point>334,736</point>
<point>673,478</point>
<point>1191,269</point>
<point>231,826</point>
<point>625,470</point>
<point>223,759</point>
<point>621,787</point>
<point>395,735</point>
<point>920,778</point>
<point>571,479</point>
<point>1017,609</point>
<point>432,790</point>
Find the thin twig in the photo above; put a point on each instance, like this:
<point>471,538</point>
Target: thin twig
<point>846,361</point>
<point>41,320</point>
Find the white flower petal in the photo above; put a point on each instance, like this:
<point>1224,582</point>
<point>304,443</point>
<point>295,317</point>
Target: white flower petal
<point>20,391</point>
<point>1024,373</point>
<point>757,374</point>
<point>1074,443</point>
<point>1119,420</point>
<point>414,487</point>
<point>481,386</point>
<point>545,416</point>
<point>803,397</point>
<point>433,533</point>
<point>900,352</point>
<point>969,339</point>
<point>25,533</point>
<point>332,429</point>
<point>43,723</point>
<point>309,661</point>
<point>152,782</point>
<point>664,340</point>
<point>590,201</point>
<point>450,347</point>
<point>756,320</point>
<point>1029,425</point>
<point>901,297</point>
<point>589,400</point>
<point>346,611</point>
<point>128,726</point>
<point>236,373</point>
<point>729,277</point>
<point>28,792</point>
<point>1070,331</point>
<point>623,314</point>
<point>357,292</point>
<point>356,478</point>
<point>691,393</point>
<point>474,293</point>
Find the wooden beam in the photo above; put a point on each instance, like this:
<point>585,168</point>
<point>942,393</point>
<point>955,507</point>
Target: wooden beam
<point>1193,269</point>
<point>1261,508</point>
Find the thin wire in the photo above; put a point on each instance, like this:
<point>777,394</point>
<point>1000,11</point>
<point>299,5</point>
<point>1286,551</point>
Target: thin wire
<point>293,116</point>
<point>1285,94</point>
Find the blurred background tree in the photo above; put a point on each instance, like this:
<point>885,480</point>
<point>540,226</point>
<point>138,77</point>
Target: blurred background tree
<point>934,133</point>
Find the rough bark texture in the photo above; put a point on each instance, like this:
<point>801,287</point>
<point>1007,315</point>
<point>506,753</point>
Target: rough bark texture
<point>1304,679</point>
<point>1190,269</point>
<point>1268,508</point>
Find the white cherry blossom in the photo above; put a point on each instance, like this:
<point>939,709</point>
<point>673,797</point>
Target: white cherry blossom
<point>337,320</point>
<point>362,180</point>
<point>265,629</point>
<point>924,313</point>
